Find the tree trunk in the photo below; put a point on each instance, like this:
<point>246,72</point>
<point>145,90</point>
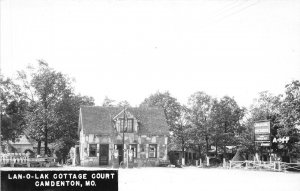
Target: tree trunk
<point>224,156</point>
<point>225,153</point>
<point>183,155</point>
<point>39,148</point>
<point>46,140</point>
<point>199,150</point>
<point>206,140</point>
<point>46,127</point>
<point>216,153</point>
<point>182,150</point>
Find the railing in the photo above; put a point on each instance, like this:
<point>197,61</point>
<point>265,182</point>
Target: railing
<point>264,165</point>
<point>21,159</point>
<point>291,166</point>
<point>10,159</point>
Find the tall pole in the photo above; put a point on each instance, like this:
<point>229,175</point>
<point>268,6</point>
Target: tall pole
<point>124,135</point>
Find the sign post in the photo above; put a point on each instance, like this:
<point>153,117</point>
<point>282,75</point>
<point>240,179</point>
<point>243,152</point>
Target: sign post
<point>262,134</point>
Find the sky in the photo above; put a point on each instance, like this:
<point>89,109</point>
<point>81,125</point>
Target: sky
<point>130,49</point>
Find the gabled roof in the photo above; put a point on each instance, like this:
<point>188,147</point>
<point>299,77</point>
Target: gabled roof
<point>22,140</point>
<point>99,120</point>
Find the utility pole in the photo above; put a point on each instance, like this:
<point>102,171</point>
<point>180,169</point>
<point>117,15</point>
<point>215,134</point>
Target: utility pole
<point>124,115</point>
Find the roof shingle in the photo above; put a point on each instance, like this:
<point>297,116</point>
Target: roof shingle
<point>99,120</point>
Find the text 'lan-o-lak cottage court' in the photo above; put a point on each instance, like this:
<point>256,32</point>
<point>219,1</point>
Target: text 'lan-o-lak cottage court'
<point>101,135</point>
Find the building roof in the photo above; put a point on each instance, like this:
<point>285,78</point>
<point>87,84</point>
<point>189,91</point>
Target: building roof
<point>22,140</point>
<point>99,120</point>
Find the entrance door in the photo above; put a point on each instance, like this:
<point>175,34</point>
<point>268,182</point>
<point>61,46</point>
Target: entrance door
<point>77,155</point>
<point>103,158</point>
<point>120,151</point>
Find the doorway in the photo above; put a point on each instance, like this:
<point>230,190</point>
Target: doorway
<point>77,155</point>
<point>119,147</point>
<point>103,158</point>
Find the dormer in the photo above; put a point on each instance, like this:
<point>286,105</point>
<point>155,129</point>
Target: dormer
<point>131,123</point>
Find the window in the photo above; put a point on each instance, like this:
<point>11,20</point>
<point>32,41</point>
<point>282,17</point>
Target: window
<point>152,151</point>
<point>133,147</point>
<point>93,150</point>
<point>128,125</point>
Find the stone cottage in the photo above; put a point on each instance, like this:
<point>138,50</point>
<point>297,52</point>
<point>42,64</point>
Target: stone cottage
<point>101,131</point>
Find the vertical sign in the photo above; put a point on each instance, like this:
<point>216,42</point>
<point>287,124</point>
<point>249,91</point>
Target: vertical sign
<point>262,132</point>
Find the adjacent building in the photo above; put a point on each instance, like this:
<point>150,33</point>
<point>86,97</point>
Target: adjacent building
<point>108,133</point>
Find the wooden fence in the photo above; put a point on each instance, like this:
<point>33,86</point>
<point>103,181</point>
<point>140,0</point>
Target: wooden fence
<point>264,165</point>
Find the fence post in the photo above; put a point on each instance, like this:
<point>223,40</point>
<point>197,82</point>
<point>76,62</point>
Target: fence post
<point>200,162</point>
<point>224,163</point>
<point>28,162</point>
<point>246,164</point>
<point>207,161</point>
<point>230,164</point>
<point>127,159</point>
<point>12,162</point>
<point>279,166</point>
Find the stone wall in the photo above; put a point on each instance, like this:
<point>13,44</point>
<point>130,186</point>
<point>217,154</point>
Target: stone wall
<point>142,142</point>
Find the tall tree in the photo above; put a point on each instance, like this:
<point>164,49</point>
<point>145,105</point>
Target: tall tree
<point>266,107</point>
<point>13,107</point>
<point>47,88</point>
<point>170,105</point>
<point>67,112</point>
<point>181,131</point>
<point>200,105</point>
<point>175,116</point>
<point>226,116</point>
<point>290,119</point>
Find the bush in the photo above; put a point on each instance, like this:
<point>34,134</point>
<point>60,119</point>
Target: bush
<point>214,162</point>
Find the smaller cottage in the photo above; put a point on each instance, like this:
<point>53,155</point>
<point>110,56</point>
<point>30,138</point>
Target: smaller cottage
<point>107,133</point>
<point>21,145</point>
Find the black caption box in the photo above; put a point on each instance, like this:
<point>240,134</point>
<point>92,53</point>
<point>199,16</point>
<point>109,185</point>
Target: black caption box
<point>104,180</point>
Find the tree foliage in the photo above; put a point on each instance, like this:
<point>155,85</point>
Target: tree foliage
<point>181,131</point>
<point>283,113</point>
<point>290,118</point>
<point>52,114</point>
<point>200,105</point>
<point>108,102</point>
<point>176,117</point>
<point>67,112</point>
<point>47,88</point>
<point>170,105</point>
<point>265,107</point>
<point>13,107</point>
<point>226,117</point>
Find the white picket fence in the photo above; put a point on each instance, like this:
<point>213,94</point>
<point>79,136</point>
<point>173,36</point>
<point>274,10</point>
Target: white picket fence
<point>264,165</point>
<point>21,159</point>
<point>13,158</point>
